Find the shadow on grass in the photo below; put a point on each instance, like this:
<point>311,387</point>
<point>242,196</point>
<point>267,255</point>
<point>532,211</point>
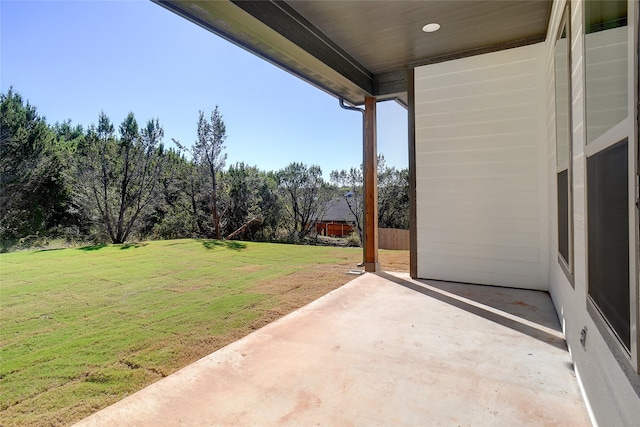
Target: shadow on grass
<point>51,250</point>
<point>229,244</point>
<point>132,245</point>
<point>92,247</point>
<point>104,245</point>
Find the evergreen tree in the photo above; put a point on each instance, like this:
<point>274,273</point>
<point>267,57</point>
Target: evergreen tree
<point>208,152</point>
<point>252,194</point>
<point>182,208</point>
<point>34,194</point>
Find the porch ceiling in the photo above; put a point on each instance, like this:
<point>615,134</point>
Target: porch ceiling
<point>353,49</point>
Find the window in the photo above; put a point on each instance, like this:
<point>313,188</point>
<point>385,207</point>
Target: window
<point>562,66</point>
<point>608,230</point>
<point>606,56</point>
<point>611,168</point>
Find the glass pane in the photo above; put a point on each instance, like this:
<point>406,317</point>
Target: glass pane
<point>608,228</point>
<point>563,215</point>
<point>606,65</point>
<point>562,98</point>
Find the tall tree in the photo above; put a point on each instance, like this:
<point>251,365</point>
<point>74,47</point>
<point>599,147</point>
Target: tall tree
<point>242,185</point>
<point>307,196</point>
<point>182,211</point>
<point>252,194</point>
<point>208,151</point>
<point>33,190</point>
<point>118,177</point>
<point>270,204</point>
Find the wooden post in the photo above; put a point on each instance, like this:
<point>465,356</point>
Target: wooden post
<point>370,154</point>
<point>413,222</point>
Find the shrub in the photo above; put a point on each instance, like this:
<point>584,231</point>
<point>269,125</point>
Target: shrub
<point>353,239</point>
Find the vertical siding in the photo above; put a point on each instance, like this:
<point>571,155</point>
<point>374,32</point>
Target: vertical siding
<point>608,393</point>
<point>480,173</point>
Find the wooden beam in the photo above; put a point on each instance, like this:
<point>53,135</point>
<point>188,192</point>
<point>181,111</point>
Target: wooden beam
<point>370,154</point>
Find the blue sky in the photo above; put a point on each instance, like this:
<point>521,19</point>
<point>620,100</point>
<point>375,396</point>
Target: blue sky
<point>74,59</point>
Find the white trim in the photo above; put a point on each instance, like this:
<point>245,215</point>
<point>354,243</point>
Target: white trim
<point>585,396</point>
<point>564,25</point>
<point>609,138</point>
<point>634,288</point>
<point>625,129</point>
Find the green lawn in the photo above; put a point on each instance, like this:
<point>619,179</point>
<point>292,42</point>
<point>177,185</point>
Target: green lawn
<point>82,328</point>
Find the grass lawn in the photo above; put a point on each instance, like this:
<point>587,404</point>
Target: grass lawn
<point>82,328</point>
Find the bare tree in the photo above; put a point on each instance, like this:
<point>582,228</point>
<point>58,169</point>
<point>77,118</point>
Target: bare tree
<point>307,195</point>
<point>116,178</point>
<point>393,196</point>
<point>350,185</point>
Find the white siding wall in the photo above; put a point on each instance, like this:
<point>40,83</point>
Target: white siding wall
<point>609,395</point>
<point>481,169</point>
<point>486,192</point>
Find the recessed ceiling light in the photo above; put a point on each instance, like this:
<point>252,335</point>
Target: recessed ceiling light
<point>430,28</point>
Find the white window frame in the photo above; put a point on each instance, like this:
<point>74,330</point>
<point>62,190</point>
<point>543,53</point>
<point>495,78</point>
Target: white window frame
<point>627,128</point>
<point>566,265</point>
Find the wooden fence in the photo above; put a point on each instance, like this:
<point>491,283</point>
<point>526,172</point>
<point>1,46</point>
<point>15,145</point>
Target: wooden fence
<point>393,238</point>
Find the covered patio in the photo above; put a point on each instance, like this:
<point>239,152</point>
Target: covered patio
<point>499,167</point>
<point>383,349</point>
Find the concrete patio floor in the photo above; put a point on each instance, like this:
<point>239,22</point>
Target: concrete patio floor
<point>381,350</point>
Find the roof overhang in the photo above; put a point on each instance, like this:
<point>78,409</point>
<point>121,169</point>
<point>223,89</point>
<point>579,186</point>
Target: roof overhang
<point>355,49</point>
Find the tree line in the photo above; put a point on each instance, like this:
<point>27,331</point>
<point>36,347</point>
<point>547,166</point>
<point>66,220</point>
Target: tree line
<point>115,183</point>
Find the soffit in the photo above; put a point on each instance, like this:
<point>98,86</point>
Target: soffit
<point>354,49</point>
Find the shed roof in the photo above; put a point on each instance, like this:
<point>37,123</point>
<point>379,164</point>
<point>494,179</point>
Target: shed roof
<point>338,210</point>
<point>354,49</point>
